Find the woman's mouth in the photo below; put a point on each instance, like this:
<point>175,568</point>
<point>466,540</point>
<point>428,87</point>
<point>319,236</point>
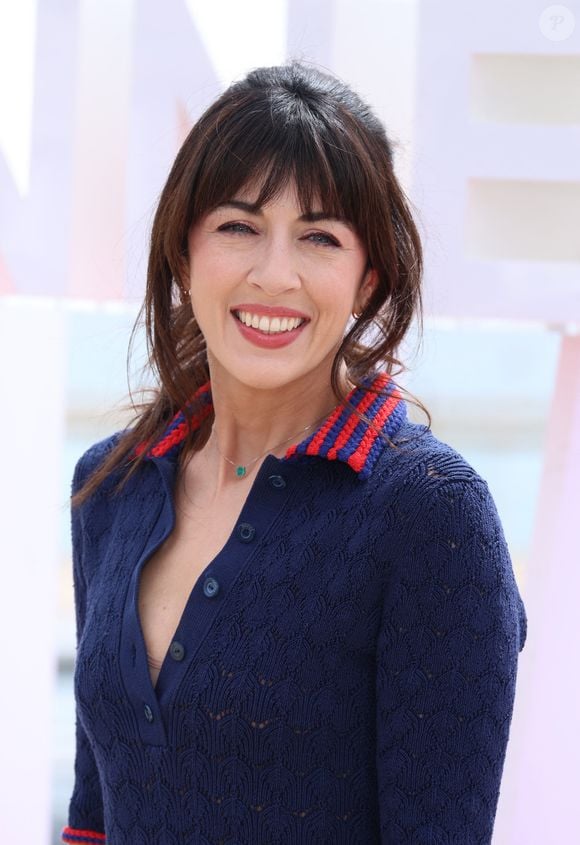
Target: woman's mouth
<point>270,333</point>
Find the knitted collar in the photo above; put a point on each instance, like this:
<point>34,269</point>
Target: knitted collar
<point>341,436</point>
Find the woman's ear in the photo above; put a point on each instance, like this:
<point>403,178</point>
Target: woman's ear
<point>366,289</point>
<point>182,279</point>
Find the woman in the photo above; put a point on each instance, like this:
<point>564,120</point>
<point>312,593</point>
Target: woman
<point>297,618</point>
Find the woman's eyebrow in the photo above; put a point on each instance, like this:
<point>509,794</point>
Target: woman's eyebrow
<point>311,217</point>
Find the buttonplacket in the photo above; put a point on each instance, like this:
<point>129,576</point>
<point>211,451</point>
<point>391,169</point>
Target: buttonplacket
<point>133,656</point>
<point>266,500</point>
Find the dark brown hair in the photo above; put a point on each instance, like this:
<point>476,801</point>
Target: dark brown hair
<point>291,122</point>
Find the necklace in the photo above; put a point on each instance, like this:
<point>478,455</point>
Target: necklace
<point>241,469</point>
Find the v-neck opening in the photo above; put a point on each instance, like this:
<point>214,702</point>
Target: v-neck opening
<point>200,609</point>
<point>213,563</point>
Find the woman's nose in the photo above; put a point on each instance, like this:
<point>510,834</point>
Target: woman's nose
<point>274,267</point>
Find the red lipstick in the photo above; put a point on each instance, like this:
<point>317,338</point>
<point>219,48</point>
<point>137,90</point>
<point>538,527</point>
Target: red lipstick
<point>269,310</point>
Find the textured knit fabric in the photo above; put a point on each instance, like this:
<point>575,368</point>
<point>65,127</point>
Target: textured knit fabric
<point>344,670</point>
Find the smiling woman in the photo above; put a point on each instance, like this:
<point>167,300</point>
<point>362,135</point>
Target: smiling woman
<point>282,256</point>
<point>297,619</point>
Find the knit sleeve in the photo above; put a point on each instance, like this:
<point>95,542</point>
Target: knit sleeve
<point>85,815</point>
<point>452,625</point>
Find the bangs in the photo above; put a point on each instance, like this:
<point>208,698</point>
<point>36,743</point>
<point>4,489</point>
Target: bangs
<point>266,146</point>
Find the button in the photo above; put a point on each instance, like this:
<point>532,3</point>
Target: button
<point>210,587</point>
<point>148,713</point>
<point>277,481</point>
<point>246,531</point>
<point>176,650</point>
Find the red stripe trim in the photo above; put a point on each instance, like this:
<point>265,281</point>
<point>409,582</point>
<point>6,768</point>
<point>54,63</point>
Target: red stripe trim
<point>359,457</point>
<point>73,834</point>
<point>315,444</point>
<point>360,453</point>
<point>171,439</point>
<point>179,433</point>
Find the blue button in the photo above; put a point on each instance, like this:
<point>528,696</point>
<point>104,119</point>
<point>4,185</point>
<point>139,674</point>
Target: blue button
<point>148,713</point>
<point>277,481</point>
<point>176,650</point>
<point>210,587</point>
<point>246,531</point>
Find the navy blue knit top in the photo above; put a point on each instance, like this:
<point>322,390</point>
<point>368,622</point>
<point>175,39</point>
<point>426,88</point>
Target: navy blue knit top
<point>344,670</point>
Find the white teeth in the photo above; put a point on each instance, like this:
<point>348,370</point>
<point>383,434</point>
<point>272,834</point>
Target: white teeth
<point>265,324</point>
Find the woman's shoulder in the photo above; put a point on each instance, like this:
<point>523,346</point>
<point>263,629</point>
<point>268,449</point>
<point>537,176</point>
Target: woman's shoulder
<point>425,478</point>
<point>417,453</point>
<point>93,457</point>
<point>447,522</point>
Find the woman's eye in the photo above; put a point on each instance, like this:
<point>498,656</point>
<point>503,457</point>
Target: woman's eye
<point>235,227</point>
<point>327,240</point>
<point>241,228</point>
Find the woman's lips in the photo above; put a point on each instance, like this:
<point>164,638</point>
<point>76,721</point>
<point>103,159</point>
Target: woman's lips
<point>266,340</point>
<point>268,310</point>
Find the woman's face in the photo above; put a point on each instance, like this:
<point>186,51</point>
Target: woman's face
<point>270,258</point>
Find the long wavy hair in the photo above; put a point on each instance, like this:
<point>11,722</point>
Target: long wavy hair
<point>289,122</point>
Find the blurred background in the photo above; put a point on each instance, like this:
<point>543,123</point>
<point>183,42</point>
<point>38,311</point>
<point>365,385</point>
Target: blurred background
<point>482,104</point>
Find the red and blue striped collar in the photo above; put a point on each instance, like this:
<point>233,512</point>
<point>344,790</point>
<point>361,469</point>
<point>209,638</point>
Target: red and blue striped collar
<point>342,436</point>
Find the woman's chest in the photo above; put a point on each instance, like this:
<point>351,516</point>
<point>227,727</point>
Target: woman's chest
<point>171,573</point>
<point>285,584</point>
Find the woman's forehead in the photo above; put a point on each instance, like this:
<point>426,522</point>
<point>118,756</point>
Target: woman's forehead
<point>287,191</point>
<point>286,187</point>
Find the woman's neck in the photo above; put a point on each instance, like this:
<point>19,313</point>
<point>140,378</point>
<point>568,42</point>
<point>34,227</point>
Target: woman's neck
<point>249,426</point>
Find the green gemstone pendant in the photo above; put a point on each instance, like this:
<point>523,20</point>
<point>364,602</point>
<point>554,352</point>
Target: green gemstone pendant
<point>240,471</point>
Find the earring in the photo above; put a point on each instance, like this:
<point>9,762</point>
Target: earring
<point>355,315</point>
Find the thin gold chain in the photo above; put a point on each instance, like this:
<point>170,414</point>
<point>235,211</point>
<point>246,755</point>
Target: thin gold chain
<point>241,469</point>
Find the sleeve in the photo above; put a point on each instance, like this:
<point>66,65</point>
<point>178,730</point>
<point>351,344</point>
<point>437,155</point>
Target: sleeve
<point>452,626</point>
<point>85,815</point>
